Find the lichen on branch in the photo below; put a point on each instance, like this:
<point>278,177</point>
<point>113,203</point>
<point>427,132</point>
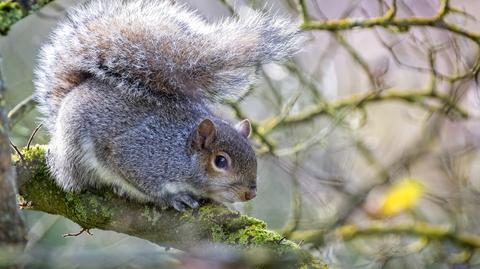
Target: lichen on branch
<point>104,210</point>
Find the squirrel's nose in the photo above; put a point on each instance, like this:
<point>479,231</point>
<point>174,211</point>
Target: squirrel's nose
<point>250,194</point>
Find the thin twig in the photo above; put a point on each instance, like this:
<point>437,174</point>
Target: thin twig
<point>19,153</point>
<point>33,135</point>
<point>20,110</point>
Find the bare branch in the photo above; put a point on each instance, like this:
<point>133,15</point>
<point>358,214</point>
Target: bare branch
<point>20,110</point>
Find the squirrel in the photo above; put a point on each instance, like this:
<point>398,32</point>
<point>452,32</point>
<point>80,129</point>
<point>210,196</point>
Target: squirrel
<point>125,89</point>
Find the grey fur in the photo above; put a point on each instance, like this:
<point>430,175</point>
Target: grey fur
<point>123,86</point>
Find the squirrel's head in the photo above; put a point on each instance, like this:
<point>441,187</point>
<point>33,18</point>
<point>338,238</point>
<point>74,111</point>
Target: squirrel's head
<point>226,160</point>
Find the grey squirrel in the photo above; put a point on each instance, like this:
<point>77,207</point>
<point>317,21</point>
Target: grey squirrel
<point>125,89</point>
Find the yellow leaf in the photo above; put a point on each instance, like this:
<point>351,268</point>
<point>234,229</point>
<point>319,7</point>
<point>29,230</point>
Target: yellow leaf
<point>401,196</point>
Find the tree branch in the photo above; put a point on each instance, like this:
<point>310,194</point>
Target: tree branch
<point>418,229</point>
<point>389,20</point>
<point>12,232</point>
<point>102,209</point>
<point>20,110</point>
<point>417,97</point>
<point>430,231</point>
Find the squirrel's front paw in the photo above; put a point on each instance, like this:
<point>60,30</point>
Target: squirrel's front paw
<point>182,201</point>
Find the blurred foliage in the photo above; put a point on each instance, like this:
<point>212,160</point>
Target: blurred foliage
<point>12,11</point>
<point>401,196</point>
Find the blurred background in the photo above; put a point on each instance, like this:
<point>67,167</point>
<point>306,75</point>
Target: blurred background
<point>368,140</point>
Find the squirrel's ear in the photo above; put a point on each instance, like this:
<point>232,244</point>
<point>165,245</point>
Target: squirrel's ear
<point>204,134</point>
<point>244,128</point>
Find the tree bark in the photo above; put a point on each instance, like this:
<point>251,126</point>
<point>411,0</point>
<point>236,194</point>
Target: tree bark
<point>104,210</point>
<point>12,231</point>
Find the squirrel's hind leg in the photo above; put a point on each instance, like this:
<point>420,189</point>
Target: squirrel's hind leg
<point>61,160</point>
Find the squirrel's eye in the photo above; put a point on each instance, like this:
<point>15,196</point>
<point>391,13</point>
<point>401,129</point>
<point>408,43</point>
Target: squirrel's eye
<point>221,162</point>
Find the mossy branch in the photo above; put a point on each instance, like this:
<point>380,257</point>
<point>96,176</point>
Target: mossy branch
<point>419,97</point>
<point>430,231</point>
<point>417,229</point>
<point>104,210</point>
<point>390,21</point>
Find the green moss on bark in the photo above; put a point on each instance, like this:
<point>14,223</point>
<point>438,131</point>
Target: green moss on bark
<point>104,210</point>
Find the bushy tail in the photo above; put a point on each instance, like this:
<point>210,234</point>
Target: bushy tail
<point>153,45</point>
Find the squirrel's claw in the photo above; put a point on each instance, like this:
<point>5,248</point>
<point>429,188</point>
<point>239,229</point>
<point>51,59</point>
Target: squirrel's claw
<point>183,201</point>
